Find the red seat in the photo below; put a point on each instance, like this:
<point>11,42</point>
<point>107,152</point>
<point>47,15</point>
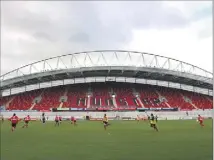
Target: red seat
<point>102,92</point>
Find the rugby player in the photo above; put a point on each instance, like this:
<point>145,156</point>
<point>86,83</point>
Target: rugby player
<point>14,121</point>
<point>26,120</point>
<point>43,118</point>
<point>105,121</point>
<point>57,120</point>
<point>74,121</point>
<point>60,119</point>
<point>201,120</point>
<point>153,122</point>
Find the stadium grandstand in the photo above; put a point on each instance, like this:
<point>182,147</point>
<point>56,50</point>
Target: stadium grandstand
<point>107,80</point>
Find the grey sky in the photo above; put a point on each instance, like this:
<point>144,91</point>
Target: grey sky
<point>32,31</point>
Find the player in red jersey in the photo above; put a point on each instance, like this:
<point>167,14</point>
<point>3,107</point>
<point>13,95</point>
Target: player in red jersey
<point>27,120</point>
<point>57,121</point>
<point>73,121</point>
<point>14,121</point>
<point>60,119</point>
<point>201,120</point>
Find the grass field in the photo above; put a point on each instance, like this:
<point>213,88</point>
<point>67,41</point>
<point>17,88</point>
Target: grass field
<point>128,140</point>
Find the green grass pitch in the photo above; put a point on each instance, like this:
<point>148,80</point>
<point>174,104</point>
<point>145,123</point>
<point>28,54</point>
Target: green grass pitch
<point>124,140</point>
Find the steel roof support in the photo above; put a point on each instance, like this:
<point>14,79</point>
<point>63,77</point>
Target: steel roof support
<point>57,64</point>
<point>169,63</point>
<point>130,57</point>
<point>77,61</point>
<point>49,65</point>
<point>115,53</point>
<point>85,60</point>
<point>44,66</point>
<point>63,62</point>
<point>150,65</point>
<point>182,67</point>
<point>90,59</point>
<point>144,63</point>
<point>104,58</point>
<point>164,64</point>
<point>71,59</point>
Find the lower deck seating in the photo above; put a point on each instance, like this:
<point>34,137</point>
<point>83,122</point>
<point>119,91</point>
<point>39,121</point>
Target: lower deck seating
<point>108,95</point>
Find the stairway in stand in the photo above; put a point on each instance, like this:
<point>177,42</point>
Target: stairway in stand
<point>65,94</point>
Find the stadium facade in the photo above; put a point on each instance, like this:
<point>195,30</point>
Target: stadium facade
<point>108,65</point>
<point>132,80</point>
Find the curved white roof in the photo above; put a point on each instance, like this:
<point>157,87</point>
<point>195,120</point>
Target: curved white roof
<point>106,58</point>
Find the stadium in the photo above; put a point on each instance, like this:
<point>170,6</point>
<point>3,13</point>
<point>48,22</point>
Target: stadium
<point>124,85</point>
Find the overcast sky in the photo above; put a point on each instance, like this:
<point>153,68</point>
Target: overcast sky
<point>32,31</point>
